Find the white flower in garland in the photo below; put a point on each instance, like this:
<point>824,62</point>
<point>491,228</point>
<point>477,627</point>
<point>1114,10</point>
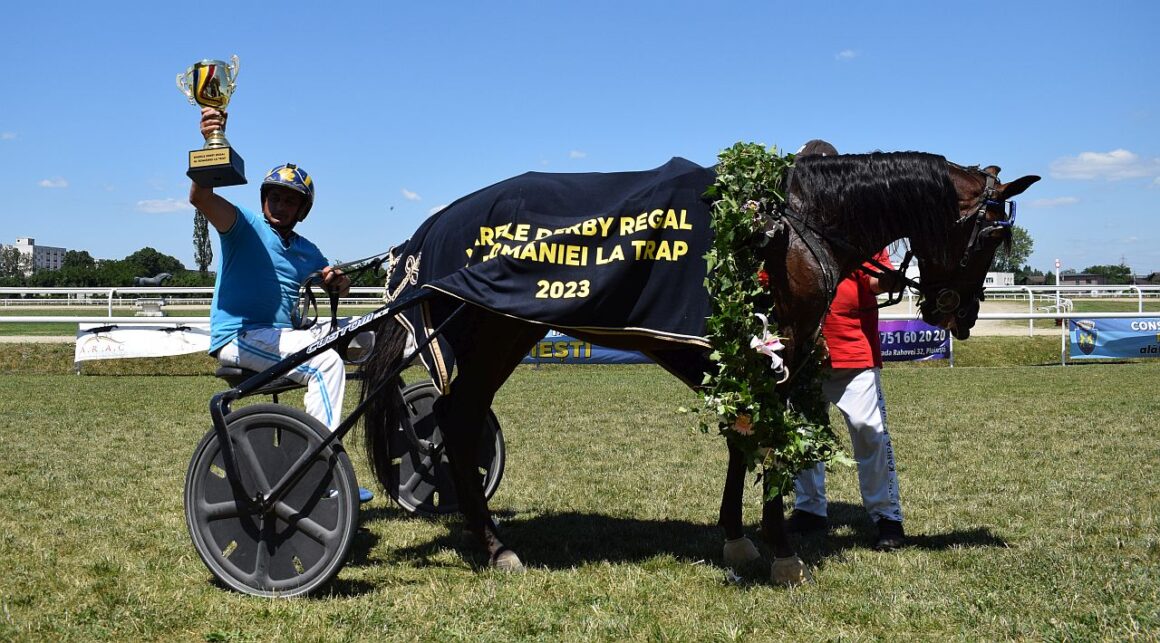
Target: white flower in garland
<point>769,344</point>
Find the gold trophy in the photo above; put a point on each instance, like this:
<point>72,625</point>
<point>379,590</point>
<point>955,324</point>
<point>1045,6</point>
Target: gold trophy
<point>210,83</point>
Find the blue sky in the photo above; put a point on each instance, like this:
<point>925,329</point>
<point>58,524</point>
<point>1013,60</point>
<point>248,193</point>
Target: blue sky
<point>399,108</point>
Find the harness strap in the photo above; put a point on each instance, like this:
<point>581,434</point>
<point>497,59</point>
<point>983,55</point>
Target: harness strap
<point>305,314</point>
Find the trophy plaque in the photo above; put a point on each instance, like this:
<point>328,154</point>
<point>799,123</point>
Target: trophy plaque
<point>210,83</point>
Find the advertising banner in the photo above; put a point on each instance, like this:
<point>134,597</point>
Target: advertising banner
<point>558,348</point>
<point>1103,338</point>
<point>117,341</point>
<point>912,340</point>
<point>902,341</point>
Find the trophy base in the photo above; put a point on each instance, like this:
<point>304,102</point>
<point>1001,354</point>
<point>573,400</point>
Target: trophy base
<point>216,167</point>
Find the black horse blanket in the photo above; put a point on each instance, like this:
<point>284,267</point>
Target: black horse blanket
<point>603,253</point>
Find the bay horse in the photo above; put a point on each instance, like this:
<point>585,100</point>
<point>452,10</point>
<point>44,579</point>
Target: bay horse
<point>839,211</point>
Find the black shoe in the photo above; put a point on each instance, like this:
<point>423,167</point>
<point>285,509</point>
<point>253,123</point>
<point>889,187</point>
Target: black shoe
<point>890,535</point>
<point>804,522</point>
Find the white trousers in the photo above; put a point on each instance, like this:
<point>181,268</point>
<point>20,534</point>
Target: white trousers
<point>324,375</point>
<point>857,393</point>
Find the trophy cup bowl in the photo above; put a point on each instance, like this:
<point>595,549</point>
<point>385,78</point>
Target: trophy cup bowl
<point>211,83</point>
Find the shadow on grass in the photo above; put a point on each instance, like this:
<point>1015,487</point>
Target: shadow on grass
<point>851,528</point>
<point>564,540</point>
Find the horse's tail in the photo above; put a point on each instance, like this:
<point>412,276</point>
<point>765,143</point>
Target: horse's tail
<point>382,412</point>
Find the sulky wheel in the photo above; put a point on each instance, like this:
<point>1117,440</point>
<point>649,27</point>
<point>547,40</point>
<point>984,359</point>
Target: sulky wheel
<point>421,483</point>
<point>302,541</point>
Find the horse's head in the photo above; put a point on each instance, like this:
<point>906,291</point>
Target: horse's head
<point>952,286</point>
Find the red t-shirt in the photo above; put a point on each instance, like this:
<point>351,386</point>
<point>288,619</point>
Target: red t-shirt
<point>851,326</point>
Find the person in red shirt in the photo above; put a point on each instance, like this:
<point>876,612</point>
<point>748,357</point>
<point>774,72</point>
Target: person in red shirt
<point>855,387</point>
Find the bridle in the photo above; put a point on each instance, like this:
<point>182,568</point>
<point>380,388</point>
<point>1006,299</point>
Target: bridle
<point>984,228</point>
<point>947,299</point>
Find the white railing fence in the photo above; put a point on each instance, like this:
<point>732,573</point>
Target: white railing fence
<point>110,298</point>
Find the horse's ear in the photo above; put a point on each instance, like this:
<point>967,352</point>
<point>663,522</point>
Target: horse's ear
<point>1016,187</point>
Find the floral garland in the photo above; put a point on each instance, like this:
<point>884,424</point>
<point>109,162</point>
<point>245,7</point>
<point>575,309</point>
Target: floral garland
<point>782,432</point>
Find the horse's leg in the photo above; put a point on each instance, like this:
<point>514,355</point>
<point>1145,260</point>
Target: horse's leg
<point>690,365</point>
<point>484,358</point>
<point>788,568</point>
<point>740,554</point>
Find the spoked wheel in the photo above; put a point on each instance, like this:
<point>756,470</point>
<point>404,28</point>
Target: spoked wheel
<point>302,541</point>
<point>422,484</point>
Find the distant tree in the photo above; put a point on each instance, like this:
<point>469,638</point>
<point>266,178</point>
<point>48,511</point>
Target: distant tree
<point>119,272</point>
<point>1011,258</point>
<point>191,278</point>
<point>1118,274</point>
<point>202,249</point>
<point>80,259</point>
<point>11,262</point>
<point>148,262</point>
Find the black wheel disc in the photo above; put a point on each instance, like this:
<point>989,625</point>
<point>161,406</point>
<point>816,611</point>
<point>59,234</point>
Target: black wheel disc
<point>302,542</point>
<point>422,484</point>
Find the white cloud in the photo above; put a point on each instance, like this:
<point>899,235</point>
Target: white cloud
<point>410,196</point>
<point>1116,165</point>
<point>7,136</point>
<point>163,206</point>
<point>577,154</point>
<point>1054,202</point>
<point>54,183</point>
<point>436,209</point>
<point>846,54</point>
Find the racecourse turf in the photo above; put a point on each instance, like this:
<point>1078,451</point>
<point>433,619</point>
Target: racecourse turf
<point>1029,490</point>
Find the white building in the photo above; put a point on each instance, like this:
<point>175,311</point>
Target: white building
<point>999,279</point>
<point>42,257</point>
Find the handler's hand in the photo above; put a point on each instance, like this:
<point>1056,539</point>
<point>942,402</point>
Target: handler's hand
<point>334,281</point>
<point>212,120</point>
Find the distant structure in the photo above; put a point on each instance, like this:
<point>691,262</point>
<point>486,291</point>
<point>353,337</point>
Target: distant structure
<point>42,257</point>
<point>155,280</point>
<point>999,279</point>
<point>1082,279</point>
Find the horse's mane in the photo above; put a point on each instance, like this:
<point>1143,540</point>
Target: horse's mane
<point>876,195</point>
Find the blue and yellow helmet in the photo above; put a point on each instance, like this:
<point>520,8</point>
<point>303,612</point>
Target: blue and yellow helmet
<point>293,177</point>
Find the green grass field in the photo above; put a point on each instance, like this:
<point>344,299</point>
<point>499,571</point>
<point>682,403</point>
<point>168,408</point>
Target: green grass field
<point>1030,497</point>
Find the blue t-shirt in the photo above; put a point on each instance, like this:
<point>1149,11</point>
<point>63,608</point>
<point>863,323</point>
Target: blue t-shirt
<point>258,278</point>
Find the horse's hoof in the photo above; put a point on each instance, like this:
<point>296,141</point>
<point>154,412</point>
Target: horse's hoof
<point>743,559</point>
<point>507,561</point>
<point>790,571</point>
<point>739,552</point>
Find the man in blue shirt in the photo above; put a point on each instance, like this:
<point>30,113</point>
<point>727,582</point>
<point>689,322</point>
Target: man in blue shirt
<point>263,263</point>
